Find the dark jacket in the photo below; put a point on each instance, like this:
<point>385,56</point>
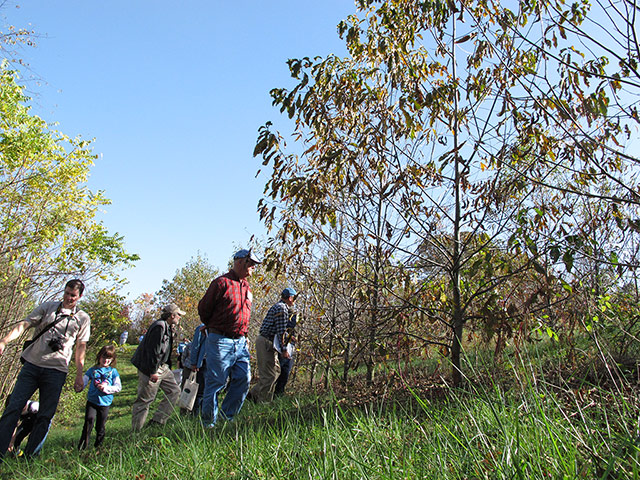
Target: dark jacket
<point>155,348</point>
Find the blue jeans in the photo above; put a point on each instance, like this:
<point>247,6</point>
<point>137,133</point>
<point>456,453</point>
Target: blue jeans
<point>30,379</point>
<point>286,364</point>
<point>226,357</point>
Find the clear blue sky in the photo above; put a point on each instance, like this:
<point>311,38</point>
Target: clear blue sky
<point>174,94</point>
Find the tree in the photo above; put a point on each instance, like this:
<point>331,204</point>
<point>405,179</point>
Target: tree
<point>143,311</point>
<point>11,38</point>
<point>187,288</point>
<point>47,213</point>
<point>474,129</point>
<point>109,312</point>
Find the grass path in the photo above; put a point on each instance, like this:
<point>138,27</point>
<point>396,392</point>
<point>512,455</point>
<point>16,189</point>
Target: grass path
<point>525,431</point>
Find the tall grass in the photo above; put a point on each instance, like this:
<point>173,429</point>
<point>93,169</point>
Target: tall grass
<point>527,427</point>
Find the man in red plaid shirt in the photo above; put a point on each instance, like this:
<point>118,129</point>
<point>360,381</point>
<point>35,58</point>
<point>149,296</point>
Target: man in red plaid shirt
<point>225,310</point>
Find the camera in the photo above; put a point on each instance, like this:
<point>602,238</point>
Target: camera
<point>55,344</point>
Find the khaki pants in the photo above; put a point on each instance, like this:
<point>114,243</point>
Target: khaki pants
<point>147,392</point>
<point>268,370</point>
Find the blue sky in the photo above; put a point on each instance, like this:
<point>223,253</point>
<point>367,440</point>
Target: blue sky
<point>174,94</point>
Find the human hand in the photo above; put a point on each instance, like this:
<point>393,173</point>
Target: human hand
<point>194,369</point>
<point>154,378</point>
<point>78,385</point>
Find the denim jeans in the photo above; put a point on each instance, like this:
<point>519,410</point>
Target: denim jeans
<point>286,364</point>
<point>226,357</point>
<point>31,378</point>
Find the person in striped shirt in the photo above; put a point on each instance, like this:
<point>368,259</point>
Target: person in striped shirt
<point>270,343</point>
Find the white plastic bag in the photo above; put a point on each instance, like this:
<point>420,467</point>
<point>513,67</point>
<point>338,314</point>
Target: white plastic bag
<point>188,395</point>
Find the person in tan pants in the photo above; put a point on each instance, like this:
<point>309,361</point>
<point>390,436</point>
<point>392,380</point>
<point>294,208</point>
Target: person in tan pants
<point>272,331</point>
<point>152,358</point>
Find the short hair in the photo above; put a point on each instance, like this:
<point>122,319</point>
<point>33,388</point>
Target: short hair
<point>108,351</point>
<point>164,315</point>
<point>75,284</point>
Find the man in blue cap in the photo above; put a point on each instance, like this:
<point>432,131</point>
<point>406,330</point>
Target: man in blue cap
<point>269,343</point>
<point>225,310</point>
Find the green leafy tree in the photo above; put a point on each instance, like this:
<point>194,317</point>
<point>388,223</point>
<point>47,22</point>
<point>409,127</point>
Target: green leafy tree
<point>47,213</point>
<point>186,289</point>
<point>109,312</point>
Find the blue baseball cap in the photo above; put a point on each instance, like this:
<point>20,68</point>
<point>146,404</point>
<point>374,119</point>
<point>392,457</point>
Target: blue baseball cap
<point>246,254</point>
<point>289,292</point>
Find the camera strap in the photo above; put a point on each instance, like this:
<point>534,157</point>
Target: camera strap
<point>55,322</point>
<point>69,318</point>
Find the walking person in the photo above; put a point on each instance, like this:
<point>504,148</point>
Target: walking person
<point>270,343</point>
<point>152,358</point>
<point>58,326</point>
<point>103,380</point>
<point>225,309</point>
<point>286,364</point>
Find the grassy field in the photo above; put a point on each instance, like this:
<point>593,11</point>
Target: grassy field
<point>524,426</point>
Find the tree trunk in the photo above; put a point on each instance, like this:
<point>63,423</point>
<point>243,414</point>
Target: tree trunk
<point>458,316</point>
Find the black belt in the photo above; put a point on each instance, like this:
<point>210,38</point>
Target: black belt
<point>234,336</point>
